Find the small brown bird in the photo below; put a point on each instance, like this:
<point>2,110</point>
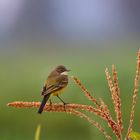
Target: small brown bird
<point>54,85</point>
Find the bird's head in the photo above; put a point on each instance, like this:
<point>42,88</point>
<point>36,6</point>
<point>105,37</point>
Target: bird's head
<point>62,70</point>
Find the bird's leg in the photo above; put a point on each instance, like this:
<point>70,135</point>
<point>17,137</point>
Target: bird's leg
<point>63,102</point>
<point>50,103</point>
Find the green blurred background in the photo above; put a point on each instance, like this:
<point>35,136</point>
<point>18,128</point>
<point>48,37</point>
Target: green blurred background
<point>83,35</point>
<point>24,69</point>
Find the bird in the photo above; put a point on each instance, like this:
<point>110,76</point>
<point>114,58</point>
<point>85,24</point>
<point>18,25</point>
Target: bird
<point>56,82</point>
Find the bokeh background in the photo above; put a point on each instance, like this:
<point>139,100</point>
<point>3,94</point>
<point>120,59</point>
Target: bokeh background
<point>85,36</point>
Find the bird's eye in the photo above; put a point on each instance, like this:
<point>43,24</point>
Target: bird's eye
<point>61,70</point>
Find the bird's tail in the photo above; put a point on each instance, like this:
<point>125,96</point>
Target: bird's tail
<point>45,99</point>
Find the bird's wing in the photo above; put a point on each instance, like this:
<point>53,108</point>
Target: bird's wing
<point>61,83</point>
<point>48,84</point>
<point>44,89</point>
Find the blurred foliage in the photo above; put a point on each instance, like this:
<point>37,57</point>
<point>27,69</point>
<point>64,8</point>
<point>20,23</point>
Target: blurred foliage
<point>134,135</point>
<point>37,133</point>
<point>24,68</point>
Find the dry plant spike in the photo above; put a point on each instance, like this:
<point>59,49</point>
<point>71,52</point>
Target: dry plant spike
<point>70,108</point>
<point>105,108</point>
<point>59,107</point>
<point>112,91</point>
<point>48,107</point>
<point>118,99</point>
<point>115,127</point>
<point>109,119</point>
<point>136,82</point>
<point>111,87</point>
<point>87,93</point>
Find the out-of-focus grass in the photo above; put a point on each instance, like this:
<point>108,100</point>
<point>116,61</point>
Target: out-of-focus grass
<point>23,71</point>
<point>37,133</point>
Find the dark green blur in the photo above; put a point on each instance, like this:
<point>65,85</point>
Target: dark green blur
<point>24,69</point>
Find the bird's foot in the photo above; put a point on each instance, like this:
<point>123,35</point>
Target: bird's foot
<point>65,104</point>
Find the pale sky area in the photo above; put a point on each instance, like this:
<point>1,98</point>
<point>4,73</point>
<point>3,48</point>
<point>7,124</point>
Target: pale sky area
<point>68,17</point>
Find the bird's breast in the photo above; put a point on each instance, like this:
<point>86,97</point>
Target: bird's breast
<point>58,92</point>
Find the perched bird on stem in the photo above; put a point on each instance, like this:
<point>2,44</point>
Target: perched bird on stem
<point>56,82</point>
